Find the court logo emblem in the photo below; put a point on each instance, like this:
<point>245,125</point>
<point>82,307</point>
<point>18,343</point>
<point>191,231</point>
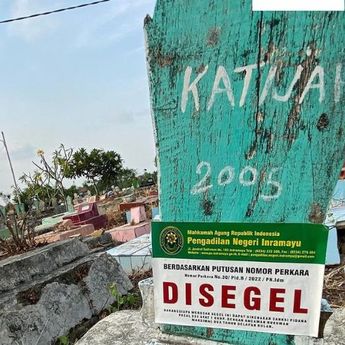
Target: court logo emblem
<point>171,240</point>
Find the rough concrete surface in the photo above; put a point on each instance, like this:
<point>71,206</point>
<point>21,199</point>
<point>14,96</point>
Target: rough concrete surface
<point>103,272</point>
<point>24,268</point>
<point>335,328</point>
<point>126,328</point>
<point>67,285</point>
<point>60,307</point>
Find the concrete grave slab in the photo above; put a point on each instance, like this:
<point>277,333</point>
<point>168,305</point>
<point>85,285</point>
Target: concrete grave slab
<point>127,232</point>
<point>134,255</point>
<point>46,292</point>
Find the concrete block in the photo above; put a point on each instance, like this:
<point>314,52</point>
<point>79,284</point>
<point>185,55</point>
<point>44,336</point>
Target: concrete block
<point>138,215</point>
<point>128,232</point>
<point>82,230</point>
<point>134,255</point>
<point>102,274</point>
<point>48,307</point>
<point>21,269</point>
<point>126,328</point>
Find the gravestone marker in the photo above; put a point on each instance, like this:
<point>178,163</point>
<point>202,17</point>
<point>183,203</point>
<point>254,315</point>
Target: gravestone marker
<point>75,199</point>
<point>41,205</point>
<point>54,202</point>
<point>69,207</point>
<point>36,205</point>
<point>248,115</point>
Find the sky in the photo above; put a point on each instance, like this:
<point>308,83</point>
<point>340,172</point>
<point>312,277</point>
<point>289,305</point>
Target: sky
<point>78,78</point>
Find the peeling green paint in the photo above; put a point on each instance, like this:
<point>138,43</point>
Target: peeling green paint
<point>248,115</point>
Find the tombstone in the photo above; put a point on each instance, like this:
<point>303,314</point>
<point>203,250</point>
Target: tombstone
<point>138,215</point>
<point>116,189</point>
<point>246,108</point>
<point>70,207</point>
<point>20,208</point>
<point>54,202</point>
<point>128,217</point>
<point>93,198</point>
<point>2,217</point>
<point>155,212</point>
<point>41,205</point>
<point>75,199</point>
<point>36,205</point>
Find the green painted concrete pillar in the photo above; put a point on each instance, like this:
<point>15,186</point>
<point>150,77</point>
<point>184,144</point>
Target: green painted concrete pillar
<point>248,110</point>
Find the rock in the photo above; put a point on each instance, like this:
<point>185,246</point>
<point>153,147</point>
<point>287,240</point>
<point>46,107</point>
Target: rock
<point>335,328</point>
<point>102,274</point>
<point>46,306</point>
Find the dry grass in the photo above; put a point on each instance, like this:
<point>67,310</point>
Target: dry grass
<point>334,286</point>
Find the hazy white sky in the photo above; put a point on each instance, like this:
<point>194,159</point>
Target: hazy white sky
<point>77,78</point>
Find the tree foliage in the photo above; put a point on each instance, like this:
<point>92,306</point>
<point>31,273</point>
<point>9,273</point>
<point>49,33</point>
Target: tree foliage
<point>37,188</point>
<point>102,168</point>
<point>147,178</point>
<point>54,172</point>
<point>128,178</point>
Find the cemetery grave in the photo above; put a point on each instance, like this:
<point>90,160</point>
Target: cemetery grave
<point>92,213</point>
<point>138,211</point>
<point>48,291</point>
<point>134,255</point>
<point>81,271</point>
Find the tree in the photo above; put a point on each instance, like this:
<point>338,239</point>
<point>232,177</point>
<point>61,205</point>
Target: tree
<point>71,191</point>
<point>55,171</point>
<point>147,178</point>
<point>128,178</point>
<point>37,187</point>
<point>17,233</point>
<point>102,168</point>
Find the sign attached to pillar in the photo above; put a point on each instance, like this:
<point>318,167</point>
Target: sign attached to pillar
<point>248,110</point>
<point>254,277</point>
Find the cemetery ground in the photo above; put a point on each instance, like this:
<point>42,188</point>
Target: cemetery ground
<point>58,279</point>
<point>334,286</point>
